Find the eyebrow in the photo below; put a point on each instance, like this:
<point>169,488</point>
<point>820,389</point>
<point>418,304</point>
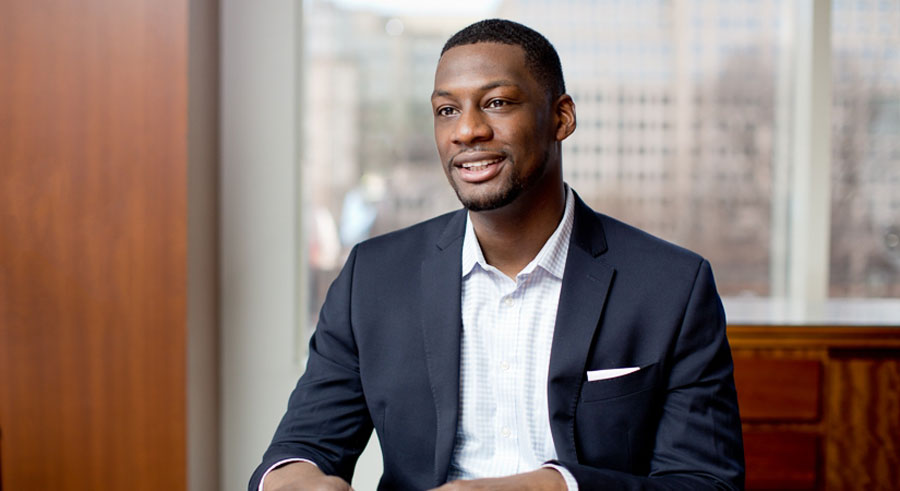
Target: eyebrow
<point>483,88</point>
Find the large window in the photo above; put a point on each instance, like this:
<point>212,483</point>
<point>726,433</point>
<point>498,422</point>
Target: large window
<point>687,128</point>
<point>865,192</point>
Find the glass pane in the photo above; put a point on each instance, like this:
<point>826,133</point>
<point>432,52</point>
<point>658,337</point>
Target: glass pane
<point>369,163</point>
<point>676,122</point>
<point>865,195</point>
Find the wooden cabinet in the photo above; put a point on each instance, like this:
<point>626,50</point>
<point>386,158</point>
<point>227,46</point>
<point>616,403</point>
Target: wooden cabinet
<point>820,406</point>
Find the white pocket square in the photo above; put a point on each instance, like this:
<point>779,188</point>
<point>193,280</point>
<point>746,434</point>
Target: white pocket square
<point>595,375</point>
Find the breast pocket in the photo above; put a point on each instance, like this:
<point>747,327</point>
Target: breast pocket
<point>616,419</point>
<point>634,382</point>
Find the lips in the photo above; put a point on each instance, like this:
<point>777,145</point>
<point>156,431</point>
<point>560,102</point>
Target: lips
<point>475,167</point>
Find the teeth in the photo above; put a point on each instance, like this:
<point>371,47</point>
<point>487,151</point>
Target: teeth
<point>480,164</point>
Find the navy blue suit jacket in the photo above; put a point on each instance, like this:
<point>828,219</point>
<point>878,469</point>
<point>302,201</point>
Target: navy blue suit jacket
<point>386,355</point>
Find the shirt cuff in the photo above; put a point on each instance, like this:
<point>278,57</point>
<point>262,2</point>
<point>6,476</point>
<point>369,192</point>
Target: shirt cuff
<point>281,463</point>
<point>571,483</point>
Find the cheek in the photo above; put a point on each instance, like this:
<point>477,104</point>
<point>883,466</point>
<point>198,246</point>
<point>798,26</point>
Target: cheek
<point>521,138</point>
<point>442,142</point>
<point>522,128</point>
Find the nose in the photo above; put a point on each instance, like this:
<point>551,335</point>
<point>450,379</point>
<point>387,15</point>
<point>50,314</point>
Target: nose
<point>471,127</point>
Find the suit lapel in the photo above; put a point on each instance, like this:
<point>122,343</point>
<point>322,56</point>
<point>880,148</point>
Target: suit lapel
<point>441,281</point>
<point>585,285</point>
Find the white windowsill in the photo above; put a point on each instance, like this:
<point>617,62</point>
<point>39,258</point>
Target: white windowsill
<point>837,311</point>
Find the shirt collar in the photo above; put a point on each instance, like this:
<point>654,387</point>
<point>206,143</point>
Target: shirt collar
<point>551,257</point>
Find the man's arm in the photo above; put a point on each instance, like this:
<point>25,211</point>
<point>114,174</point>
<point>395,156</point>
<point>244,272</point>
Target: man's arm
<point>698,440</point>
<point>326,421</point>
<point>298,476</point>
<point>544,479</point>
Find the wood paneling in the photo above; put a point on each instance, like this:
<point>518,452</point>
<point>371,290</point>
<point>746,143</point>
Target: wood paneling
<point>778,389</point>
<point>93,244</point>
<point>781,459</point>
<point>854,440</point>
<point>806,337</point>
<point>863,428</point>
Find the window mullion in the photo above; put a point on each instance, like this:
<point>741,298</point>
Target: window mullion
<point>810,197</point>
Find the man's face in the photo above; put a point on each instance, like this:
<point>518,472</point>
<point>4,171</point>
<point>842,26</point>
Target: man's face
<point>493,124</point>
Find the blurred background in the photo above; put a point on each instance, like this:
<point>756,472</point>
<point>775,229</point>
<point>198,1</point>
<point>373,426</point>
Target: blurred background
<point>180,182</point>
<point>686,128</point>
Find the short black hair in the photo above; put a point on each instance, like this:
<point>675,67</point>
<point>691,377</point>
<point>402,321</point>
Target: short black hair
<point>540,56</point>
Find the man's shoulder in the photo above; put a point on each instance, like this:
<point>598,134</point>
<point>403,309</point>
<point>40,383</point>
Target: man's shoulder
<point>630,247</point>
<point>624,237</point>
<point>646,264</point>
<point>418,236</point>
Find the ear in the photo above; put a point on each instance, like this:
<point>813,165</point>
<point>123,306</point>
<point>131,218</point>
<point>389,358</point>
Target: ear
<point>564,109</point>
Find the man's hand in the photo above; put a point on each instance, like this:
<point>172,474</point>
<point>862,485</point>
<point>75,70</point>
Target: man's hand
<point>303,476</point>
<point>545,479</point>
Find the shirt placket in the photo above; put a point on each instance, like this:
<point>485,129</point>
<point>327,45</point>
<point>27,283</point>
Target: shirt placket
<point>528,328</point>
<point>507,370</point>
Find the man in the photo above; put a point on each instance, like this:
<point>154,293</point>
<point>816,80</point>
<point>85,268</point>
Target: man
<point>526,342</point>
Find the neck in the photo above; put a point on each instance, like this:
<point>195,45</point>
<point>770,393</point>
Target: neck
<point>511,237</point>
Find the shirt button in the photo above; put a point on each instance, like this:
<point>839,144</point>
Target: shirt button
<point>504,365</point>
<point>504,432</point>
<point>508,301</point>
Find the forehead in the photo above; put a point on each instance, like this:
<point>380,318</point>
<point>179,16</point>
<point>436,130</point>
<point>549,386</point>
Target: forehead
<point>480,64</point>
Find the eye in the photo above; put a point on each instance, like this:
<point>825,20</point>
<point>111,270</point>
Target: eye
<point>497,103</point>
<point>445,111</point>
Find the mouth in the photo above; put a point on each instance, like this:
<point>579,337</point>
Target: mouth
<point>478,167</point>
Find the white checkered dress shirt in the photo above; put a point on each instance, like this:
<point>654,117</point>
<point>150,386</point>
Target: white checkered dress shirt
<point>504,424</point>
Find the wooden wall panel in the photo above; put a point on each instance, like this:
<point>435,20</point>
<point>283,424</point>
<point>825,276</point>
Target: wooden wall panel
<point>854,442</point>
<point>778,389</point>
<point>93,244</point>
<point>781,459</point>
<point>863,430</point>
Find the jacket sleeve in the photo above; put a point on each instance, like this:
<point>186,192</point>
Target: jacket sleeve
<point>327,421</point>
<point>698,441</point>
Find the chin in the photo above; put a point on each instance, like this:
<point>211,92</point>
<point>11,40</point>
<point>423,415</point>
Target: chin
<point>487,202</point>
